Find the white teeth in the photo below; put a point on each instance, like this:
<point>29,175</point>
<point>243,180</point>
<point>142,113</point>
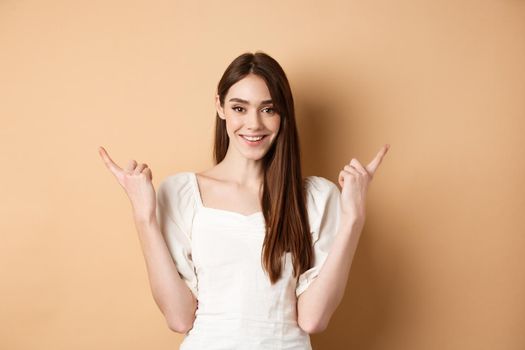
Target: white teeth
<point>250,138</point>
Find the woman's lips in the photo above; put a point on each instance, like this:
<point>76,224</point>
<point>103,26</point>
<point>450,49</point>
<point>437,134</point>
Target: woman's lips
<point>253,143</point>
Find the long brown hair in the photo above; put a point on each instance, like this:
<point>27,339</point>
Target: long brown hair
<point>283,199</point>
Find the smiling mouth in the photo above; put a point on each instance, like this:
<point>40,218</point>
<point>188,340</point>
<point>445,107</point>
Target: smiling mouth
<point>252,140</point>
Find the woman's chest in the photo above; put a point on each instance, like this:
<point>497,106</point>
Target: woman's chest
<point>222,239</point>
<point>226,251</point>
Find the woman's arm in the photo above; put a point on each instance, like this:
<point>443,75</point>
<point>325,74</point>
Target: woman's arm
<point>318,302</point>
<point>171,294</point>
<point>316,305</point>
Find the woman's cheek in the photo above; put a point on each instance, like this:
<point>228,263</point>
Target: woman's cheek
<point>236,124</point>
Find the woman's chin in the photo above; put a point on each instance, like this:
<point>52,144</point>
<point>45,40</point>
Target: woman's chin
<point>255,154</point>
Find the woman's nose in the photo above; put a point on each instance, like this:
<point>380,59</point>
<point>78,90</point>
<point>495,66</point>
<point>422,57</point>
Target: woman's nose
<point>253,120</point>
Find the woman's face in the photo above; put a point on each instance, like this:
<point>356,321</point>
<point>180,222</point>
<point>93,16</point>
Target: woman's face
<point>248,111</point>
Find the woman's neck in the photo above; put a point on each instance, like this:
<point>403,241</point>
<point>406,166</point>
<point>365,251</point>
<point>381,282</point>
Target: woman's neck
<point>245,172</point>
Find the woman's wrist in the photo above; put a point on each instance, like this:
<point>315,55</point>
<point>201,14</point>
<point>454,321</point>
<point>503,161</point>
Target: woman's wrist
<point>145,220</point>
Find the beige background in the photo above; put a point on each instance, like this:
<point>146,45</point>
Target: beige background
<point>441,260</point>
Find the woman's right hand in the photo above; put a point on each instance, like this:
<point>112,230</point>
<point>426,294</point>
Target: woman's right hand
<point>136,181</point>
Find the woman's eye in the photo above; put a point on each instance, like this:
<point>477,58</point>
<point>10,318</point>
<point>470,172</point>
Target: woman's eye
<point>269,110</point>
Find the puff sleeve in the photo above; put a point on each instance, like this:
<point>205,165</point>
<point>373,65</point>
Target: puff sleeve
<point>175,210</point>
<point>323,205</point>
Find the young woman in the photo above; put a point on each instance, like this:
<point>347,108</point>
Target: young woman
<point>248,254</point>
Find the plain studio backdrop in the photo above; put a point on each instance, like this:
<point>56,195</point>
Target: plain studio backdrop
<point>441,261</point>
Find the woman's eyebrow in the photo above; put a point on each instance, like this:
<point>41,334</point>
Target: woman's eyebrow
<point>235,99</point>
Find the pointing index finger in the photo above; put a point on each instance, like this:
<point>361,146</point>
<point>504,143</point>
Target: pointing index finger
<point>109,162</point>
<point>374,164</point>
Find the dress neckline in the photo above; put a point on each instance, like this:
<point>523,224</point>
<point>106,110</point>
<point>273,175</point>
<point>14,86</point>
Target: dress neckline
<point>201,205</point>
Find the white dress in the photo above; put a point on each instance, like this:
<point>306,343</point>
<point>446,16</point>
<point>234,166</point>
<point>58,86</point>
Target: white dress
<point>218,254</point>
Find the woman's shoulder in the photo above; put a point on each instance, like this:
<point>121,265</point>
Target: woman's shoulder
<point>318,185</point>
<point>322,200</point>
<point>177,186</point>
<point>177,180</point>
<point>321,195</point>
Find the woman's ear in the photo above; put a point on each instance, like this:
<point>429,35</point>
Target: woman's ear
<point>219,108</point>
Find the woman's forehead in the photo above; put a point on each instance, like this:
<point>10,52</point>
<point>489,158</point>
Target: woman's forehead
<point>249,91</point>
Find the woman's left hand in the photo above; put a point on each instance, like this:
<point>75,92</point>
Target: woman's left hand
<point>354,180</point>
